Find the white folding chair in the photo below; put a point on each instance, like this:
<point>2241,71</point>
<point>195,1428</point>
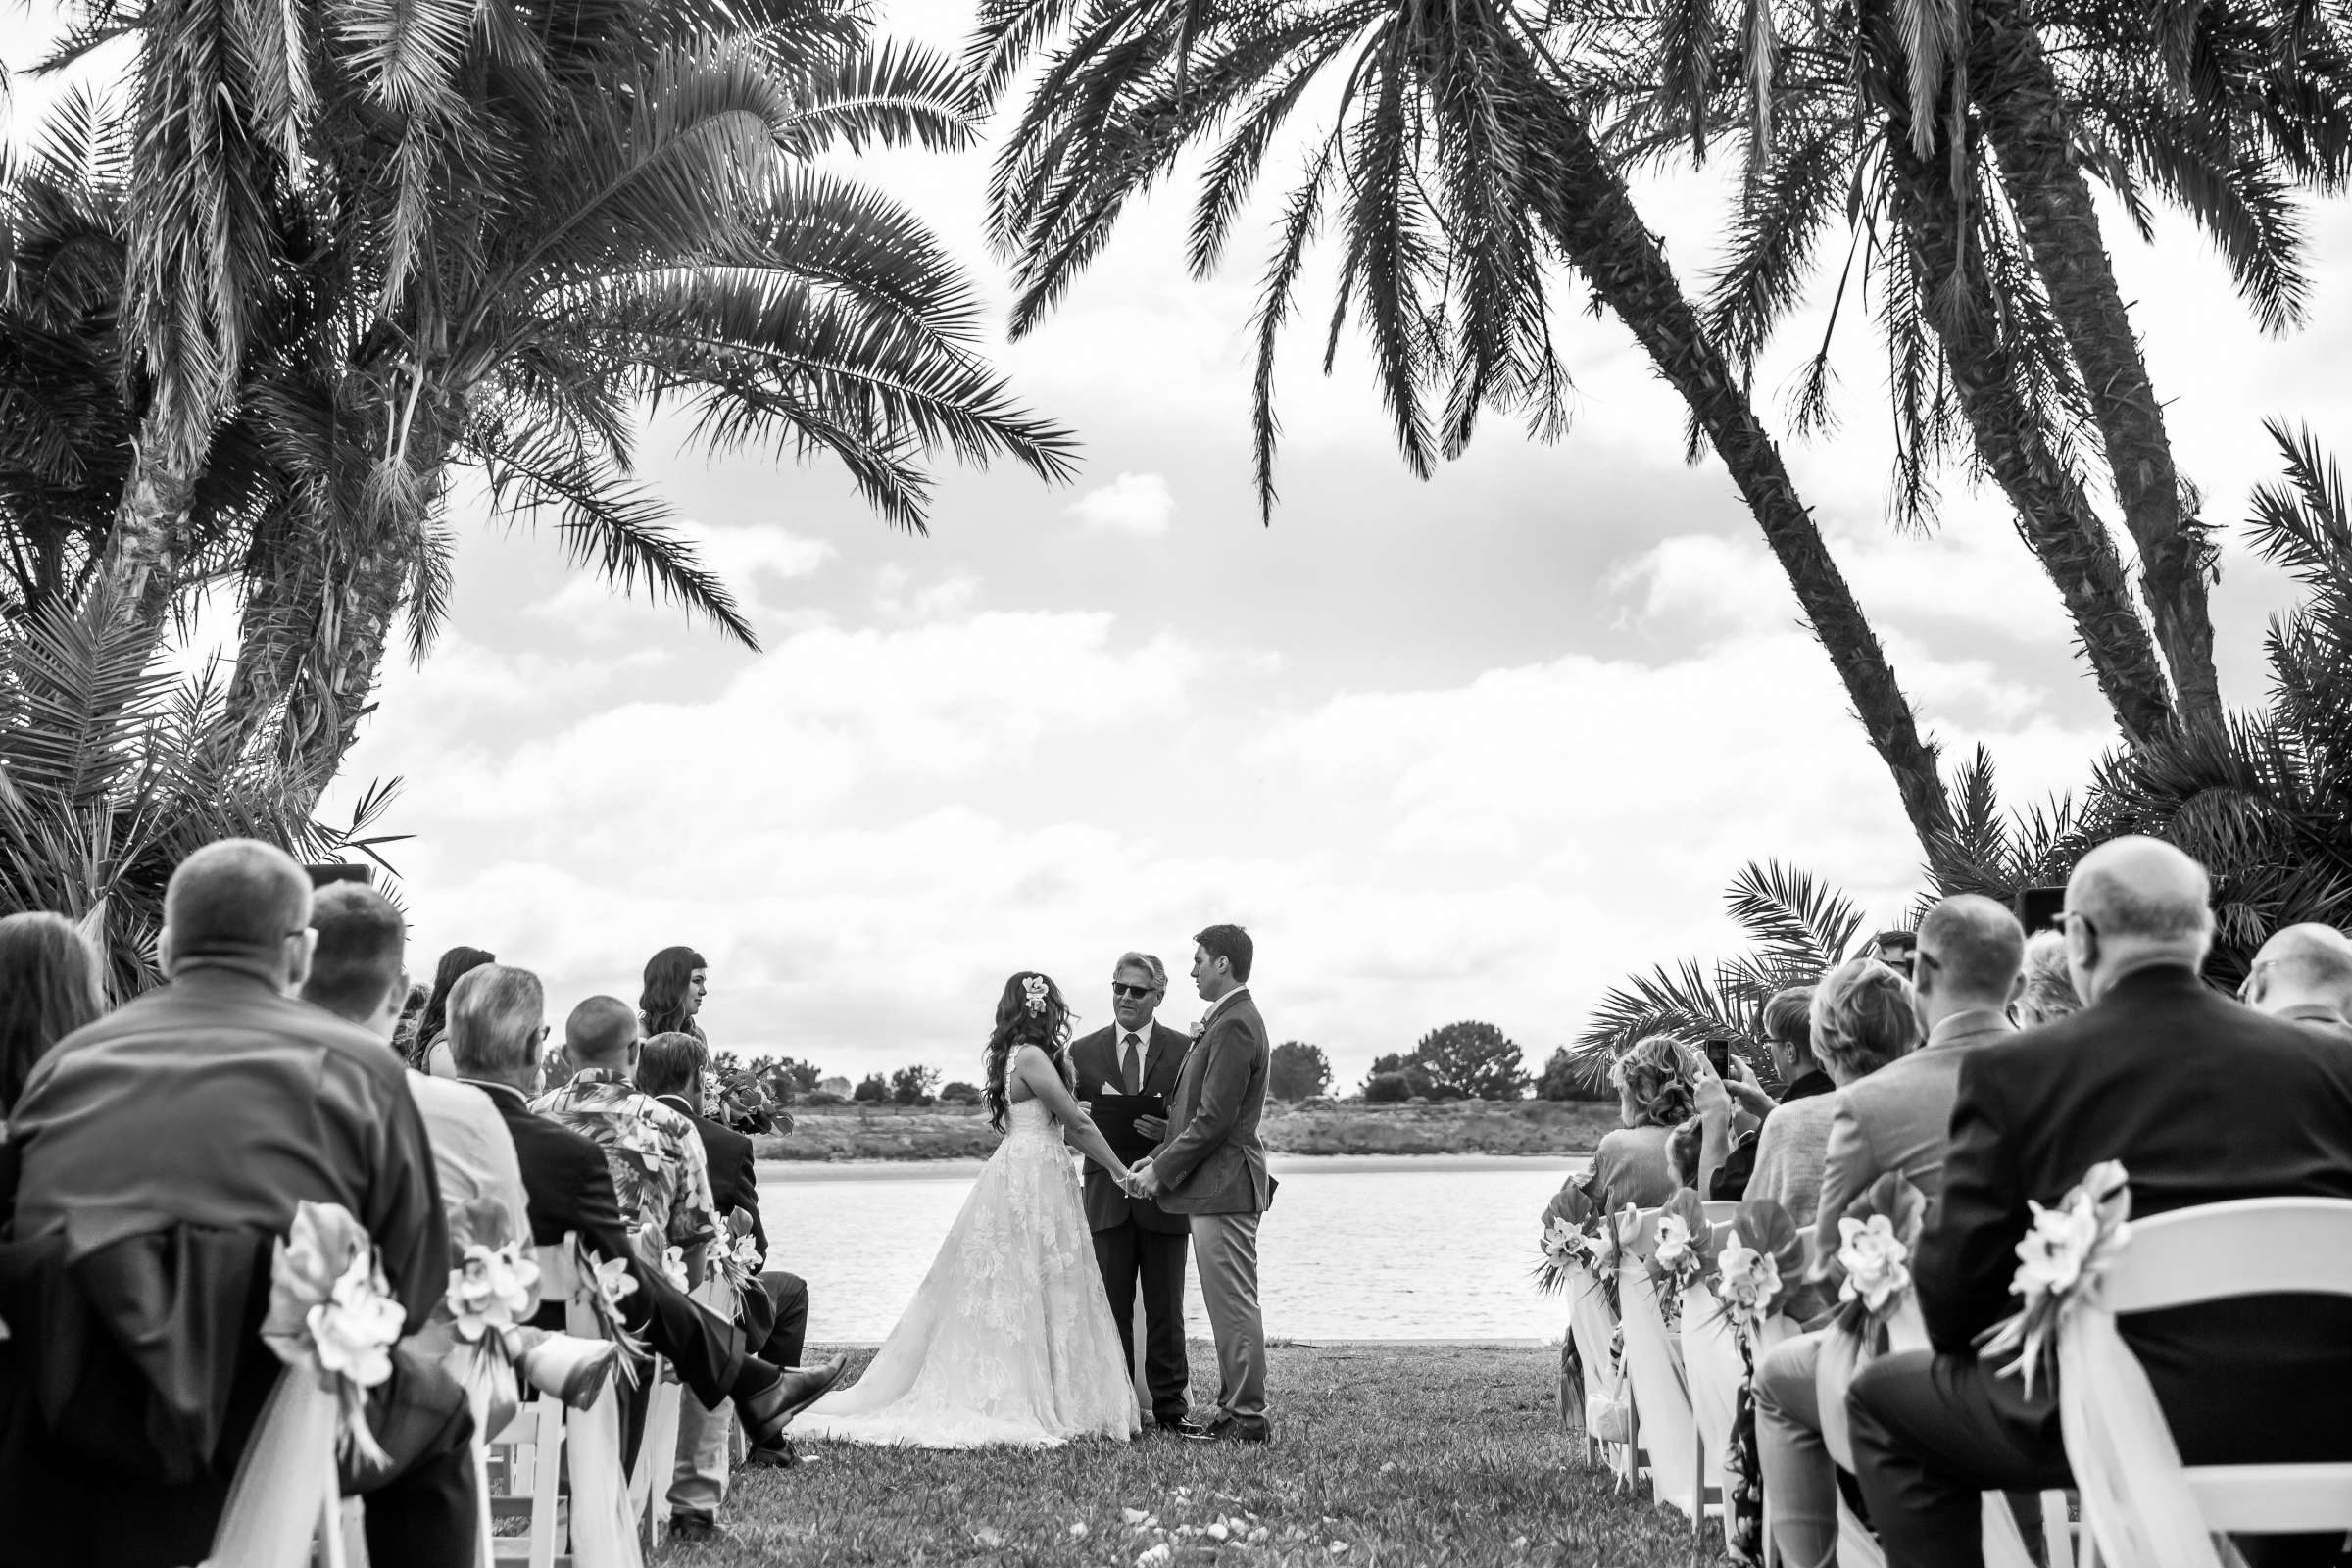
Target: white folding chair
<point>2217,1252</point>
<point>1664,1425</point>
<point>1595,1328</point>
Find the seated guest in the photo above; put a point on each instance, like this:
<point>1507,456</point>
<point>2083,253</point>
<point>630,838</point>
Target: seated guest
<point>357,974</point>
<point>2304,975</point>
<point>1654,1096</point>
<point>1862,1019</point>
<point>162,1149</point>
<point>1789,1040</point>
<point>2203,1102</point>
<point>1893,1121</point>
<point>2048,993</point>
<point>671,1068</point>
<point>48,989</point>
<point>600,1102</point>
<point>496,1021</point>
<point>433,1025</point>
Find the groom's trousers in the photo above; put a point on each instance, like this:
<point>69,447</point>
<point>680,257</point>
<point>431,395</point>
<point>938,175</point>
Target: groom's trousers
<point>1126,1253</point>
<point>1225,1251</point>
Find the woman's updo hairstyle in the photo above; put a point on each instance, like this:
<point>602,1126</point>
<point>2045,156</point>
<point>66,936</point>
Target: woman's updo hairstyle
<point>1655,1076</point>
<point>1030,1012</point>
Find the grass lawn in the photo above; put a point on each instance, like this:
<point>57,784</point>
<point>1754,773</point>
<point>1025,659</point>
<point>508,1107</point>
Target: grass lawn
<point>1405,1457</point>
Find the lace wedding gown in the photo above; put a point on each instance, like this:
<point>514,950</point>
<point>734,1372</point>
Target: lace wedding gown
<point>1010,1339</point>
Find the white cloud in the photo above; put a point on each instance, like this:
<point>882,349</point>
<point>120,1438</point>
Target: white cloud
<point>1133,503</point>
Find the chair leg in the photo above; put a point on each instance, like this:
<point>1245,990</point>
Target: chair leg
<point>2057,1530</point>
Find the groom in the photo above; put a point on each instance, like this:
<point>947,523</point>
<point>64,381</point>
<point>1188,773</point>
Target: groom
<point>1213,1168</point>
<point>1134,1236</point>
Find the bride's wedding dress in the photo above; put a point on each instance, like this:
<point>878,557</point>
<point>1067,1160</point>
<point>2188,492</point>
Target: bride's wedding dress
<point>1010,1339</point>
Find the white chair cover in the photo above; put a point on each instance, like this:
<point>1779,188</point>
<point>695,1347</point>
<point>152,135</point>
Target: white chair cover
<point>1595,1328</point>
<point>286,1493</point>
<point>1715,1370</point>
<point>1655,1369</point>
<point>604,1530</point>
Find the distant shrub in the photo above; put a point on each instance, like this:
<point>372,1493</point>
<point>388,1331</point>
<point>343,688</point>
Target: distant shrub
<point>823,1097</point>
<point>1386,1088</point>
<point>959,1093</point>
<point>1297,1070</point>
<point>872,1089</point>
<point>911,1086</point>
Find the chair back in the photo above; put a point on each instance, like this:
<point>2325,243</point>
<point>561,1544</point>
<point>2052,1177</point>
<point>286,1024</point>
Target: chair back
<point>1654,1371</point>
<point>2250,1247</point>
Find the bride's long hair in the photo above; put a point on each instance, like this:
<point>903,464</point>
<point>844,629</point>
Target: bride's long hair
<point>1045,1025</point>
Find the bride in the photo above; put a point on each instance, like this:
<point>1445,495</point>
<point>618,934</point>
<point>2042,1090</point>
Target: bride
<point>1010,1339</point>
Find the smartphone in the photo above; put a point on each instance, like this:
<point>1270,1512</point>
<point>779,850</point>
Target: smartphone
<point>1719,1055</point>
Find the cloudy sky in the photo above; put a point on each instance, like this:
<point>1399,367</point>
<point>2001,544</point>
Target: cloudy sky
<point>1474,748</point>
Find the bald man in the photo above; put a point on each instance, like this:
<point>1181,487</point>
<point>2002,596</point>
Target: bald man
<point>2203,1102</point>
<point>2304,975</point>
<point>159,1152</point>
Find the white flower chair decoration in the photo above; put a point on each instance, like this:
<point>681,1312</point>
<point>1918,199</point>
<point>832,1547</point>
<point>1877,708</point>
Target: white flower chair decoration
<point>1713,1326</point>
<point>604,1531</point>
<point>1593,1325</point>
<point>1653,1363</point>
<point>2086,1264</point>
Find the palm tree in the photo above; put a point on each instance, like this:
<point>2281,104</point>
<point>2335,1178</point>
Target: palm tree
<point>1457,167</point>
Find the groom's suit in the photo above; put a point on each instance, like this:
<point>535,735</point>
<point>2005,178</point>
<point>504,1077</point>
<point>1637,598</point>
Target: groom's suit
<point>1213,1169</point>
<point>1134,1236</point>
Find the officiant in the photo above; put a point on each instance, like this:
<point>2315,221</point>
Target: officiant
<point>1125,1076</point>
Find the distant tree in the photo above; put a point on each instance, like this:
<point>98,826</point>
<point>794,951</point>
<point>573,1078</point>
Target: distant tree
<point>1386,1088</point>
<point>835,1085</point>
<point>1297,1071</point>
<point>1473,1060</point>
<point>959,1093</point>
<point>1410,1075</point>
<point>911,1086</point>
<point>805,1076</point>
<point>872,1090</point>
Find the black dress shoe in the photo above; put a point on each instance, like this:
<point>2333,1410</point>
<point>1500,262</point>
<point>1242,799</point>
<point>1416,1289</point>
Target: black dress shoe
<point>776,1453</point>
<point>1229,1429</point>
<point>691,1529</point>
<point>765,1413</point>
<point>1187,1427</point>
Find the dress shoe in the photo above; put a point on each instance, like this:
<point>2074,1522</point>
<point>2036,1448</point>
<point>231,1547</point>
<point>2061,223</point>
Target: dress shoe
<point>776,1453</point>
<point>1230,1429</point>
<point>1186,1427</point>
<point>767,1414</point>
<point>693,1529</point>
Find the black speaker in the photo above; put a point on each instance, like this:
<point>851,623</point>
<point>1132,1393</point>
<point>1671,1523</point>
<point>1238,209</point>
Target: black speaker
<point>322,875</point>
<point>2038,908</point>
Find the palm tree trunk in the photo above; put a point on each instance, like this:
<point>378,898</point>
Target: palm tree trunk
<point>1577,194</point>
<point>2053,513</point>
<point>2025,118</point>
<point>142,557</point>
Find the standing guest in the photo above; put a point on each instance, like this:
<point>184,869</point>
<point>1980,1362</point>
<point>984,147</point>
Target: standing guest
<point>1788,1041</point>
<point>670,1207</point>
<point>162,1150</point>
<point>2304,975</point>
<point>2048,993</point>
<point>1895,1120</point>
<point>672,1067</point>
<point>676,979</point>
<point>1863,1018</point>
<point>1212,1169</point>
<point>2203,1101</point>
<point>1135,1241</point>
<point>497,1020</point>
<point>1656,1092</point>
<point>357,974</point>
<point>48,989</point>
<point>432,1050</point>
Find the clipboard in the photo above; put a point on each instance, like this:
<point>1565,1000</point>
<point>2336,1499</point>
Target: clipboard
<point>1115,1116</point>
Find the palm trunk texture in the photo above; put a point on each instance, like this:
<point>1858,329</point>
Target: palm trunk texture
<point>142,557</point>
<point>2024,117</point>
<point>2054,515</point>
<point>1578,195</point>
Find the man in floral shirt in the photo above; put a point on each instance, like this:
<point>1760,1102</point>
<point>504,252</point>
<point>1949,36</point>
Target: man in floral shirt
<point>654,1152</point>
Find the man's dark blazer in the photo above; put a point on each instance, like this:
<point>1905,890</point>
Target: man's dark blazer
<point>1211,1162</point>
<point>734,1174</point>
<point>568,1187</point>
<point>1095,1061</point>
<point>2203,1101</point>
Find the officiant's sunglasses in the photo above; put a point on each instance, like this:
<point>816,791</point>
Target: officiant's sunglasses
<point>1120,988</point>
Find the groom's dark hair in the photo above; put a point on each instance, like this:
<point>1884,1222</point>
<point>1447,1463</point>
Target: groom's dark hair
<point>1232,944</point>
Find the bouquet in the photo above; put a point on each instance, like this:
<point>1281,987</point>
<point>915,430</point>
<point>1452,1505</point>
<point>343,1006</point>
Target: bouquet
<point>737,1257</point>
<point>1566,1240</point>
<point>2059,1262</point>
<point>1682,1247</point>
<point>1873,1263</point>
<point>1757,1266</point>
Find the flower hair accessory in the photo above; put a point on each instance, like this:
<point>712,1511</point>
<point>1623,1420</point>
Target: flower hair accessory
<point>1034,988</point>
<point>2058,1263</point>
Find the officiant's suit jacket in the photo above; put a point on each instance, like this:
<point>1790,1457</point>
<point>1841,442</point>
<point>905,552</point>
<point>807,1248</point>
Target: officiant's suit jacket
<point>1213,1162</point>
<point>2203,1101</point>
<point>1095,1060</point>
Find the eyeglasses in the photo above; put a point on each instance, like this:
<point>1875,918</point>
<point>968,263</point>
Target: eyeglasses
<point>1120,988</point>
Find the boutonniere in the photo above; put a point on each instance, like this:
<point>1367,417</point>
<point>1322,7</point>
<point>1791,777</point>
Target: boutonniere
<point>1200,1028</point>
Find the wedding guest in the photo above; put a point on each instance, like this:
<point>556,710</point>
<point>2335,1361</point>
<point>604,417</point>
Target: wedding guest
<point>2203,1101</point>
<point>497,1020</point>
<point>357,974</point>
<point>602,1103</point>
<point>1655,1094</point>
<point>2048,994</point>
<point>1863,1018</point>
<point>672,1067</point>
<point>1896,1119</point>
<point>1789,1042</point>
<point>2304,975</point>
<point>676,979</point>
<point>432,1050</point>
<point>167,1145</point>
<point>411,1014</point>
<point>48,989</point>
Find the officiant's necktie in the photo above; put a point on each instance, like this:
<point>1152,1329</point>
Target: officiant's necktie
<point>1133,1068</point>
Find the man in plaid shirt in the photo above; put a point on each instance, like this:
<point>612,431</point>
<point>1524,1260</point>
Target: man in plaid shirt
<point>654,1152</point>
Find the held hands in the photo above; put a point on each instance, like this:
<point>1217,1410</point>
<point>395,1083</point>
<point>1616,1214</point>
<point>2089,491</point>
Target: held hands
<point>1142,1181</point>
